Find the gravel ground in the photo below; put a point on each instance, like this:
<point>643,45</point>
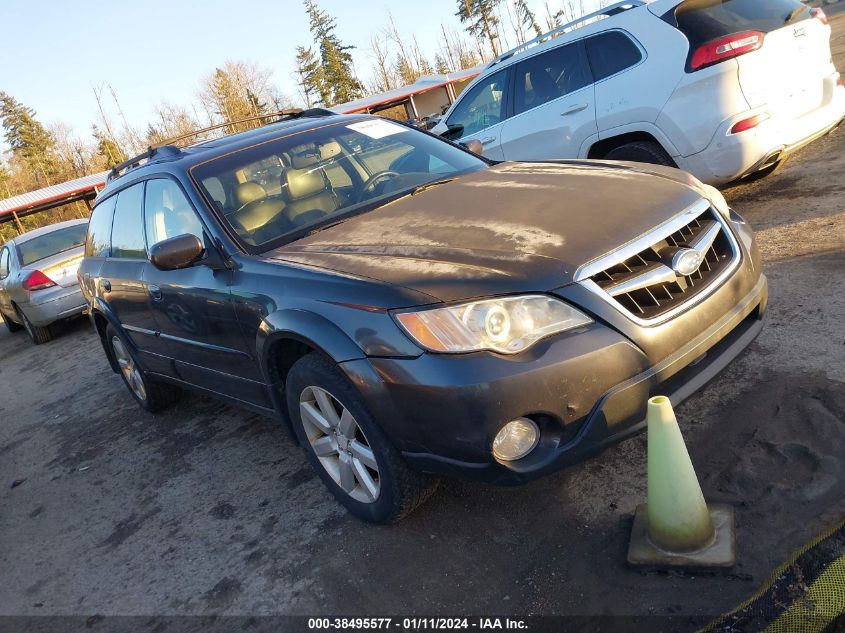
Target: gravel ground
<point>210,510</point>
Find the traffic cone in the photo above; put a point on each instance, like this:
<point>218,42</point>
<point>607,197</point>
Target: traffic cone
<point>676,529</point>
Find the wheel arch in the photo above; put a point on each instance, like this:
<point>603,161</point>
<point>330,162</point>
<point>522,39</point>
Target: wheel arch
<point>621,137</point>
<point>288,335</point>
<point>101,318</point>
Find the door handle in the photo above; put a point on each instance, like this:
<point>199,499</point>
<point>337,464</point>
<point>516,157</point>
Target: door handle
<point>488,140</point>
<point>155,292</point>
<point>575,108</point>
<point>105,284</point>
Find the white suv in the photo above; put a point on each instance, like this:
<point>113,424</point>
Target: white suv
<point>720,88</point>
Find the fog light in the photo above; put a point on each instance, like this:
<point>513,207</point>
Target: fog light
<point>516,440</point>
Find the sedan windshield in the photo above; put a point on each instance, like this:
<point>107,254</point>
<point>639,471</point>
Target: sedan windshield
<point>280,190</point>
<point>52,243</point>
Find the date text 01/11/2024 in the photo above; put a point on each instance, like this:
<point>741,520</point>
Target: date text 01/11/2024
<point>416,624</point>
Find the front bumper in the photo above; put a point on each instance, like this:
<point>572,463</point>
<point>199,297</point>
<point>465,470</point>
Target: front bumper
<point>55,304</point>
<point>585,389</point>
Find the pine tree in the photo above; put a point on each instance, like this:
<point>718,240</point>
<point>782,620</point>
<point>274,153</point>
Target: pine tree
<point>527,17</point>
<point>108,150</point>
<point>441,66</point>
<point>340,83</point>
<point>6,189</point>
<point>236,91</point>
<point>310,77</point>
<point>481,20</point>
<point>28,139</point>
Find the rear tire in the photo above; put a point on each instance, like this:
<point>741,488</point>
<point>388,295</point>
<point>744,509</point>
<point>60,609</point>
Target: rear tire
<point>11,325</point>
<point>150,395</point>
<point>642,152</point>
<point>38,335</point>
<point>357,461</point>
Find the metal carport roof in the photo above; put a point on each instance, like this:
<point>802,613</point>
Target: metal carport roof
<point>84,188</point>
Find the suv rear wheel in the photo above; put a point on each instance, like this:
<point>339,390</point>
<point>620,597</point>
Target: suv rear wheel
<point>151,395</point>
<point>349,451</point>
<point>641,152</point>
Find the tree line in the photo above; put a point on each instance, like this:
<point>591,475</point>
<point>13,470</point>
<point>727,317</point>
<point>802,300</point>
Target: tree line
<point>325,71</point>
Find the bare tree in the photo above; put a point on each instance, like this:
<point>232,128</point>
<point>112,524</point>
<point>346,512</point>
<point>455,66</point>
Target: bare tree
<point>384,78</point>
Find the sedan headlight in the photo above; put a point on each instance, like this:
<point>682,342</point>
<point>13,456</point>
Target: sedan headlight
<point>508,325</point>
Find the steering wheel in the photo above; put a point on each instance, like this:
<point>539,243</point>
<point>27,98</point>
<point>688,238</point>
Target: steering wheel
<point>373,180</point>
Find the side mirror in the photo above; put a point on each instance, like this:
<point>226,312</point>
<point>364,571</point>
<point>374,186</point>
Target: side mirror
<point>453,132</point>
<point>177,252</point>
<point>474,146</point>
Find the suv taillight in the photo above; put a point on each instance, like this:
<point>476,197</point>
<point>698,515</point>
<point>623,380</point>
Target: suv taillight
<point>819,15</point>
<point>37,281</point>
<point>724,48</point>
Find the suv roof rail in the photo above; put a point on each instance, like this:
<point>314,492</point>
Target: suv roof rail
<point>607,11</point>
<point>168,149</point>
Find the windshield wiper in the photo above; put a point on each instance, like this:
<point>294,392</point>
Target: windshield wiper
<point>428,185</point>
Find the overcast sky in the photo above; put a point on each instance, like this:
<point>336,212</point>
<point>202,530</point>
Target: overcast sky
<point>53,52</point>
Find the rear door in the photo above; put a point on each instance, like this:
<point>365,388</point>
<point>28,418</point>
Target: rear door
<point>554,108</point>
<point>619,74</point>
<point>121,279</point>
<point>792,72</point>
<point>480,114</point>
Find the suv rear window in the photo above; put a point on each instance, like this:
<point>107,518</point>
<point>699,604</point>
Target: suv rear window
<point>610,53</point>
<point>52,243</point>
<point>705,20</point>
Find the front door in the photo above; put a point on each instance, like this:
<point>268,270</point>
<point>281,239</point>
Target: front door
<point>554,109</point>
<point>196,321</point>
<point>480,114</point>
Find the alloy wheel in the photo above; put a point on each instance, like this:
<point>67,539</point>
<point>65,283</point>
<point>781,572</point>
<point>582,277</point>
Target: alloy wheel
<point>129,369</point>
<point>340,444</point>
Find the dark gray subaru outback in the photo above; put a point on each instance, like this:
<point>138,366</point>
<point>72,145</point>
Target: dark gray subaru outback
<point>411,309</point>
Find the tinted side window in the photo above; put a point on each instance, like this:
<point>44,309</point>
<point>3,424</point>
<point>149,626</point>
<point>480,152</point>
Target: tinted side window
<point>4,263</point>
<point>610,53</point>
<point>127,234</point>
<point>99,229</point>
<point>482,106</point>
<point>548,76</point>
<point>168,212</point>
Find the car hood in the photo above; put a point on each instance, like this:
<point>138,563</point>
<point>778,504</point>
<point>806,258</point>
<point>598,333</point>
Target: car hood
<point>516,227</point>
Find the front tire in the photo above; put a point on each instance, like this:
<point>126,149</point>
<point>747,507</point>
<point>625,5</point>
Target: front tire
<point>149,394</point>
<point>642,152</point>
<point>10,325</point>
<point>349,451</point>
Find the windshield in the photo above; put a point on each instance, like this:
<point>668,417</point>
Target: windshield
<point>52,243</point>
<point>280,190</point>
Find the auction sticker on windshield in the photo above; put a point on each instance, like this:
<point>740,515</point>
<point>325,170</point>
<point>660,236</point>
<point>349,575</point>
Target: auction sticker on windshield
<point>377,129</point>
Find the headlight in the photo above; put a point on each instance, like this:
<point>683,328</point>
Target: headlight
<point>508,325</point>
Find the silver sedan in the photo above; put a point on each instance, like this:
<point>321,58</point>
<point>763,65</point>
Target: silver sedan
<point>38,284</point>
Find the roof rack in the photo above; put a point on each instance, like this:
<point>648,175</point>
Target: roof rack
<point>608,11</point>
<point>168,149</point>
